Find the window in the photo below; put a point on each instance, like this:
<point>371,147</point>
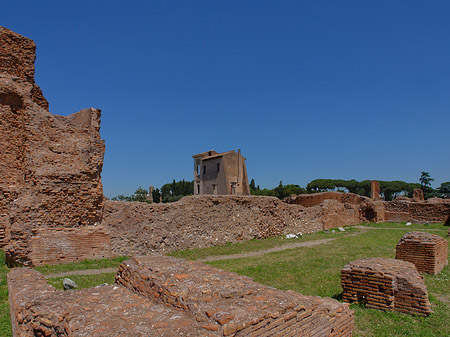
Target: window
<point>218,167</point>
<point>204,169</point>
<point>198,169</point>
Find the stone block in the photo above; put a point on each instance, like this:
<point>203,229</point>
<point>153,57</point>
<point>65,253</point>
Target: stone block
<point>385,284</point>
<point>428,252</point>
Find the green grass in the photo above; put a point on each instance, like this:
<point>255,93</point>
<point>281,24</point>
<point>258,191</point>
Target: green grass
<point>253,245</point>
<point>5,320</point>
<point>308,270</point>
<point>83,281</point>
<point>402,225</point>
<point>316,271</point>
<point>82,265</point>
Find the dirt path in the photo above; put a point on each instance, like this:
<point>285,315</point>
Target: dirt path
<point>402,228</point>
<point>273,249</point>
<point>83,272</point>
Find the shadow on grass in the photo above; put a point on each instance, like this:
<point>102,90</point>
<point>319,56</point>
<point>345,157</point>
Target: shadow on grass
<point>338,296</point>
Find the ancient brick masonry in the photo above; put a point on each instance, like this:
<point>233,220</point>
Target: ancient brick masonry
<point>59,245</point>
<point>38,309</point>
<point>51,165</point>
<point>201,221</point>
<point>386,284</point>
<point>163,296</point>
<point>230,304</point>
<point>428,252</point>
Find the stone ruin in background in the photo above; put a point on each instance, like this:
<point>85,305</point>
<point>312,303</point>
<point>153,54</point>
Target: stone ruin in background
<point>428,252</point>
<point>51,195</point>
<point>385,284</point>
<point>345,209</point>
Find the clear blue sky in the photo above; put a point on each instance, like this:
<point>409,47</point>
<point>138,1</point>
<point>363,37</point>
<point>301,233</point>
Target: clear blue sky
<point>307,89</point>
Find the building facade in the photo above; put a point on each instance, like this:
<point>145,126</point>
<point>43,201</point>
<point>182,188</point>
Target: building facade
<point>220,173</point>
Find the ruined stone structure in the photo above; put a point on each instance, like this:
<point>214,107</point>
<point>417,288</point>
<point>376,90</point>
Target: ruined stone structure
<point>417,212</point>
<point>202,221</point>
<point>337,208</point>
<point>375,190</point>
<point>341,209</point>
<point>418,195</point>
<point>51,165</point>
<point>220,173</point>
<point>385,284</point>
<point>428,252</point>
<point>164,296</point>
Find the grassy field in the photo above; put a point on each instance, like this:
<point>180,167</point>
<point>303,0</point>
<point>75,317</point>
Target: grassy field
<point>316,271</point>
<point>308,270</point>
<point>5,320</point>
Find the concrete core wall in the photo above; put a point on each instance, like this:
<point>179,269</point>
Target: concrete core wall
<point>51,165</point>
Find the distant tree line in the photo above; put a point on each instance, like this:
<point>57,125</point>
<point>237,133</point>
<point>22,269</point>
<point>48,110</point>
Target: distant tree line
<point>388,189</point>
<point>175,190</point>
<point>169,192</point>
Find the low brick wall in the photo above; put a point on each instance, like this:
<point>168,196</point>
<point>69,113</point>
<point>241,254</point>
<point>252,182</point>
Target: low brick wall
<point>315,199</point>
<point>163,296</point>
<point>4,228</point>
<point>385,284</point>
<point>38,309</point>
<point>428,252</point>
<point>405,210</point>
<point>62,245</point>
<point>231,304</point>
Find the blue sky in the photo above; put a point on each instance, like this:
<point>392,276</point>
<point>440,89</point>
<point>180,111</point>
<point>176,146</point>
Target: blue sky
<point>306,89</point>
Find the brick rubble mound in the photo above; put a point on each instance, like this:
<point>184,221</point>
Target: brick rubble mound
<point>163,296</point>
<point>428,252</point>
<point>385,284</point>
<point>202,221</point>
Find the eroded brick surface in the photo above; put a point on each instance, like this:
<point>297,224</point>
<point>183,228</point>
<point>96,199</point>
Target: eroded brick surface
<point>202,221</point>
<point>59,245</point>
<point>40,310</point>
<point>386,284</point>
<point>233,304</point>
<point>50,165</point>
<point>428,252</point>
<point>163,296</point>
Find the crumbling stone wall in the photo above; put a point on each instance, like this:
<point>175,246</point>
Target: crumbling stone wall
<point>51,165</point>
<point>428,252</point>
<point>164,296</point>
<point>338,209</point>
<point>202,221</point>
<point>385,284</point>
<point>405,210</point>
<point>315,199</point>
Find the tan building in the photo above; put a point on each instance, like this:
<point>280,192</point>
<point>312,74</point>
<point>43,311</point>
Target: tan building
<point>220,173</point>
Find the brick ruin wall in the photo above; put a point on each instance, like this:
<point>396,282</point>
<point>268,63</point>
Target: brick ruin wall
<point>351,209</point>
<point>338,209</point>
<point>386,284</point>
<point>164,296</point>
<point>315,199</point>
<point>420,212</point>
<point>202,221</point>
<point>51,165</point>
<point>428,252</point>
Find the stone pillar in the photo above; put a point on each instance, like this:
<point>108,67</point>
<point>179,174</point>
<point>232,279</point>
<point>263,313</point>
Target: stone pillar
<point>375,190</point>
<point>418,195</point>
